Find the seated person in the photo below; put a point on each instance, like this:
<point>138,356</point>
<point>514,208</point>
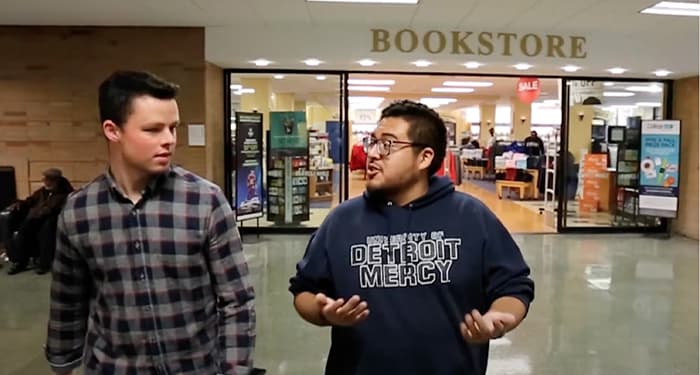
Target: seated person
<point>37,232</point>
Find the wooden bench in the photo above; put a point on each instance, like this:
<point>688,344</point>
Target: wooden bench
<point>474,170</point>
<point>520,185</point>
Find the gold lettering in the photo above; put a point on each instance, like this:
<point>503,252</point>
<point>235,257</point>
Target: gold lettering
<point>399,40</point>
<point>507,38</point>
<point>524,45</point>
<point>380,40</point>
<point>554,44</point>
<point>484,42</point>
<point>459,44</point>
<point>577,43</point>
<point>442,41</point>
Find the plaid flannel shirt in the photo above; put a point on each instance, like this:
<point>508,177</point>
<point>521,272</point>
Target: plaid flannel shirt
<point>156,287</point>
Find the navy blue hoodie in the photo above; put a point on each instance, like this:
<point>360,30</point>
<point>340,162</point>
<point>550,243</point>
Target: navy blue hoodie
<point>421,268</point>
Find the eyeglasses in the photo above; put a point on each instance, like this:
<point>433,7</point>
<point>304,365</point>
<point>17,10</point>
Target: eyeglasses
<point>384,146</point>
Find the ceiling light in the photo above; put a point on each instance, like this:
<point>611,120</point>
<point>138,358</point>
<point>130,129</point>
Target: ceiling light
<point>648,104</point>
<point>242,91</point>
<point>522,66</point>
<point>312,62</point>
<point>369,88</point>
<point>236,87</point>
<point>380,82</point>
<point>261,62</point>
<point>422,63</point>
<point>662,73</point>
<point>453,89</point>
<point>674,8</point>
<point>437,102</point>
<point>410,2</point>
<point>321,78</point>
<point>617,70</point>
<point>365,101</point>
<point>367,62</point>
<point>617,94</point>
<point>608,84</point>
<point>570,68</point>
<point>650,88</point>
<point>472,65</point>
<point>467,83</point>
<point>278,76</point>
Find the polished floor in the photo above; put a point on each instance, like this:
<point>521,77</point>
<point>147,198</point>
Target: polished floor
<point>623,304</point>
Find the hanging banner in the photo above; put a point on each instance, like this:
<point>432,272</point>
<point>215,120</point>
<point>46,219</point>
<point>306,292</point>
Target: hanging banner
<point>288,134</point>
<point>249,166</point>
<point>659,168</point>
<point>528,89</point>
<point>586,92</point>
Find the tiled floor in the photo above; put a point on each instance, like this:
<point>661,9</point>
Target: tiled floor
<point>605,305</point>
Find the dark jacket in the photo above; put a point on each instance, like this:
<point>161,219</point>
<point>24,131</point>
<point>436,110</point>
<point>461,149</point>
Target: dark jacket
<point>44,202</point>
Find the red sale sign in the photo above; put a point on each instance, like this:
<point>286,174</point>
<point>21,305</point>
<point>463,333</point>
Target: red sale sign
<point>528,89</point>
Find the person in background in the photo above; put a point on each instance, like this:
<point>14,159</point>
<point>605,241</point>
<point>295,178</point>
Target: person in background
<point>534,144</point>
<point>492,138</point>
<point>426,276</point>
<point>36,236</point>
<point>150,275</point>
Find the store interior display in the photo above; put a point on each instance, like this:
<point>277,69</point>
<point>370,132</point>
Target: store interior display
<point>321,168</point>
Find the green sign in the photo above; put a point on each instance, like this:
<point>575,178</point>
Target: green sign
<point>288,133</point>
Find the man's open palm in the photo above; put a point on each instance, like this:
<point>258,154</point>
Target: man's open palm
<point>340,313</point>
<point>479,329</point>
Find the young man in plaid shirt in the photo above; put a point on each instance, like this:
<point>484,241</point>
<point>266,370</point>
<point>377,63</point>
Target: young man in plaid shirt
<point>149,275</point>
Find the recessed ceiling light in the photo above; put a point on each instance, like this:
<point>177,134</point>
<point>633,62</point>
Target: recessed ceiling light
<point>278,76</point>
<point>650,88</point>
<point>437,102</point>
<point>522,66</point>
<point>321,78</point>
<point>369,88</point>
<point>312,62</point>
<point>242,91</point>
<point>409,2</point>
<point>468,83</point>
<point>674,8</point>
<point>422,63</point>
<point>617,94</point>
<point>571,68</point>
<point>453,89</point>
<point>648,104</point>
<point>617,70</point>
<point>236,87</point>
<point>261,62</point>
<point>367,62</point>
<point>608,84</point>
<point>380,82</point>
<point>662,73</point>
<point>472,65</point>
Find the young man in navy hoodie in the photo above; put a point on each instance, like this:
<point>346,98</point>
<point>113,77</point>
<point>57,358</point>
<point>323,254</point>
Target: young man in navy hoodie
<point>413,277</point>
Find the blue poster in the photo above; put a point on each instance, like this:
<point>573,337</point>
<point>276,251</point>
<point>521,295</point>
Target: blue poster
<point>659,168</point>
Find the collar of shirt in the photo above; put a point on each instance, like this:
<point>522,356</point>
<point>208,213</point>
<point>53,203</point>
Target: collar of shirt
<point>153,186</point>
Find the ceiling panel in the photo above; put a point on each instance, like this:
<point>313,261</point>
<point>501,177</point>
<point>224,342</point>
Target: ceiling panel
<point>361,15</point>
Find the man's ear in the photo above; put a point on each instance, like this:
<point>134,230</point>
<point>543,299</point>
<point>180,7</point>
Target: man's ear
<point>111,131</point>
<point>426,158</point>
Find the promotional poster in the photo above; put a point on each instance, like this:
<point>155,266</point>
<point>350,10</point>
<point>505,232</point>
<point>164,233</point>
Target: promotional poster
<point>659,168</point>
<point>249,193</point>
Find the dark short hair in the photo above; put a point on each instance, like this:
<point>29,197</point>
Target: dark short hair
<point>425,127</point>
<point>118,91</point>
